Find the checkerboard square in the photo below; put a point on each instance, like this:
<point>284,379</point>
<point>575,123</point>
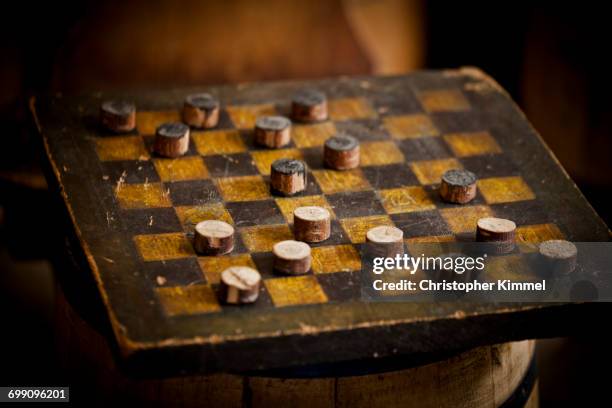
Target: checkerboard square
<point>264,158</point>
<point>261,238</point>
<point>218,142</point>
<point>514,267</point>
<point>406,199</point>
<point>193,192</point>
<point>379,153</point>
<point>464,219</point>
<point>175,272</point>
<point>428,148</point>
<point>245,213</point>
<point>505,190</point>
<point>490,165</point>
<point>244,116</point>
<point>121,148</point>
<point>212,266</point>
<point>247,188</point>
<point>538,233</point>
<point>313,135</point>
<point>472,144</point>
<point>431,171</point>
<point>160,247</point>
<point>231,165</point>
<point>189,216</point>
<point>130,172</point>
<point>332,181</point>
<point>148,220</point>
<point>356,228</point>
<point>410,126</point>
<point>365,130</point>
<point>295,290</point>
<point>421,224</point>
<point>147,122</point>
<point>151,195</point>
<point>444,100</point>
<point>184,168</point>
<point>350,108</point>
<point>188,300</point>
<point>288,204</point>
<point>390,176</point>
<point>344,204</point>
<point>336,258</point>
<point>341,286</point>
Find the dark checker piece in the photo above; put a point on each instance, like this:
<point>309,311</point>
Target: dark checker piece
<point>288,177</point>
<point>173,130</point>
<point>458,186</point>
<point>309,97</point>
<point>172,139</point>
<point>273,131</point>
<point>309,105</point>
<point>273,122</point>
<point>202,101</point>
<point>341,152</point>
<point>118,116</point>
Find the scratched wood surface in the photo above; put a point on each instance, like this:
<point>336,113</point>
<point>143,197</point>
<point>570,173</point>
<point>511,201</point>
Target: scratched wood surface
<point>134,214</point>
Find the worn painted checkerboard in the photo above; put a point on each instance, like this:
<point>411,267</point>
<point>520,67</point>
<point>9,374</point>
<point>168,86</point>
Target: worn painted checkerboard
<point>135,213</point>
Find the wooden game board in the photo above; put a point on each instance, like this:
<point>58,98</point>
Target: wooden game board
<point>134,214</point>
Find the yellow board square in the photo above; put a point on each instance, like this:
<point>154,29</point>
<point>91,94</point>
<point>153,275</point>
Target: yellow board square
<point>513,267</point>
<point>189,216</point>
<point>431,171</point>
<point>295,290</point>
<point>148,122</point>
<point>212,266</point>
<point>505,190</point>
<point>332,181</point>
<point>244,116</point>
<point>410,126</point>
<point>150,195</point>
<point>288,205</point>
<point>444,101</point>
<point>379,153</point>
<point>121,148</point>
<point>264,158</point>
<point>188,300</point>
<point>313,135</point>
<point>261,238</point>
<point>472,144</point>
<point>337,258</point>
<point>247,188</point>
<point>350,108</point>
<point>161,247</point>
<point>464,219</point>
<point>406,199</point>
<point>185,168</point>
<point>529,236</point>
<point>356,228</point>
<point>218,142</point>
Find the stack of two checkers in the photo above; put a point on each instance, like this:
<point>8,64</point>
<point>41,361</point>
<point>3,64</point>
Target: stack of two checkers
<point>241,284</point>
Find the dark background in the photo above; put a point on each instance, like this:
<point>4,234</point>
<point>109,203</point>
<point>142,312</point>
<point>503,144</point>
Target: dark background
<point>552,60</point>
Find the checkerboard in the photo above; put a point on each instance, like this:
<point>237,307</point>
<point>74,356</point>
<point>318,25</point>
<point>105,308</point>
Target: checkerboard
<point>411,129</point>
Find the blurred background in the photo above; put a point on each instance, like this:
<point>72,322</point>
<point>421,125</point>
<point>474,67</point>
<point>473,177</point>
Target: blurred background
<point>550,59</point>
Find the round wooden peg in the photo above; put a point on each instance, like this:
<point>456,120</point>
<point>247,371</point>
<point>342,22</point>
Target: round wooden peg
<point>311,224</point>
<point>118,116</point>
<point>309,105</point>
<point>291,257</point>
<point>240,284</point>
<point>273,131</point>
<point>458,186</point>
<point>172,139</point>
<point>201,111</point>
<point>498,231</point>
<point>386,241</point>
<point>213,237</point>
<point>559,256</point>
<point>341,152</point>
<point>288,177</point>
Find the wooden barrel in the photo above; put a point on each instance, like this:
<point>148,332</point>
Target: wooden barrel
<point>501,375</point>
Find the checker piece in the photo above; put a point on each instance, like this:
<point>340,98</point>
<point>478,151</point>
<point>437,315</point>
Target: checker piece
<point>309,105</point>
<point>172,139</point>
<point>288,177</point>
<point>118,116</point>
<point>311,224</point>
<point>292,257</point>
<point>201,111</point>
<point>458,186</point>
<point>498,231</point>
<point>341,152</point>
<point>213,237</point>
<point>240,284</point>
<point>273,131</point>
